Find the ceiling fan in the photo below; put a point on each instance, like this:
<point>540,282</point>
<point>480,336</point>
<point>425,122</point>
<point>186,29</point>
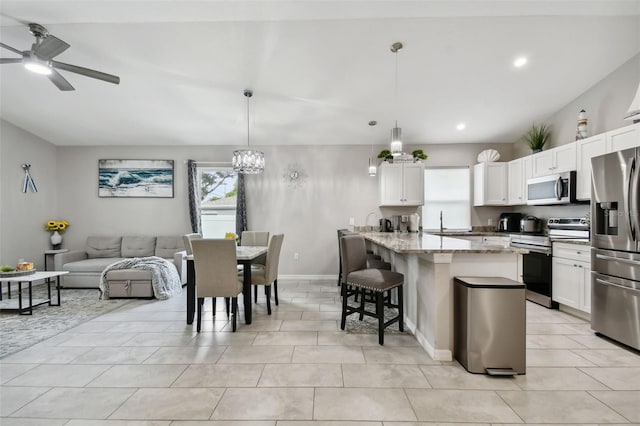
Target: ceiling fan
<point>40,59</point>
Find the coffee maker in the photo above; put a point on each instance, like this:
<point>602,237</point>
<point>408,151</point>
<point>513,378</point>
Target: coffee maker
<point>509,222</point>
<point>400,222</point>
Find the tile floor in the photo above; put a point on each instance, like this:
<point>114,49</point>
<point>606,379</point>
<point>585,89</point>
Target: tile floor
<point>143,366</point>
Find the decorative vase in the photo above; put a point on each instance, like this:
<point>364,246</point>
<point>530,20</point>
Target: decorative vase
<point>56,240</point>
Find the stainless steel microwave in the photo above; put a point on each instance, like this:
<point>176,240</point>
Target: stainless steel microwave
<point>552,189</point>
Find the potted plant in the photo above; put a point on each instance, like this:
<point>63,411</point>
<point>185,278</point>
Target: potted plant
<point>537,136</point>
<point>385,154</point>
<point>419,154</point>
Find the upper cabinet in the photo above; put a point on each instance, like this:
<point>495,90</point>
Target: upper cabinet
<point>401,184</point>
<point>623,138</point>
<point>518,171</point>
<point>585,150</point>
<point>556,160</point>
<point>490,184</point>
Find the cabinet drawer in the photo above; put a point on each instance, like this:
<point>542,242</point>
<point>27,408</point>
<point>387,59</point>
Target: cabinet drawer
<point>577,252</point>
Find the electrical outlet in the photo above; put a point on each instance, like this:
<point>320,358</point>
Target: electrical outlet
<point>296,256</point>
<point>352,221</point>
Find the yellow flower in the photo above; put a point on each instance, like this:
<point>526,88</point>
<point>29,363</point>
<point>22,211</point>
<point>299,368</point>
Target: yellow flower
<point>61,226</point>
<point>230,236</point>
<point>56,225</point>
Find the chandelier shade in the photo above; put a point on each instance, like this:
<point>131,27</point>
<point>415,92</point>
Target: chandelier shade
<point>248,161</point>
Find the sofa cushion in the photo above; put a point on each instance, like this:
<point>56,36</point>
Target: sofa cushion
<point>90,265</point>
<point>98,247</point>
<point>167,246</point>
<point>138,246</point>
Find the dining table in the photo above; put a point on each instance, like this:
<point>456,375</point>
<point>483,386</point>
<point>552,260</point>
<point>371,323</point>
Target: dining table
<point>245,255</point>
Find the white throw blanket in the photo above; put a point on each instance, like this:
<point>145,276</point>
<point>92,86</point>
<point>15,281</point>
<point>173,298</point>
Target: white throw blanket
<point>164,276</point>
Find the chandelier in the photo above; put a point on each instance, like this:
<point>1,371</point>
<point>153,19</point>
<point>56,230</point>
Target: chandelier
<point>248,161</point>
<point>396,132</point>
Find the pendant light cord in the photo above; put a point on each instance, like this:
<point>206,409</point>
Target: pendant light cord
<point>248,138</point>
<point>396,53</point>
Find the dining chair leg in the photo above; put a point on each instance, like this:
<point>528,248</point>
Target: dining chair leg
<point>213,303</point>
<point>267,293</point>
<point>234,313</point>
<point>275,291</point>
<point>343,321</point>
<point>200,303</point>
<point>226,304</point>
<point>380,315</point>
<point>364,296</point>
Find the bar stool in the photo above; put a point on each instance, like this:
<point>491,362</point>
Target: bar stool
<point>359,277</point>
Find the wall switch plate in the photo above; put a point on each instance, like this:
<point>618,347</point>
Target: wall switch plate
<point>296,256</point>
<point>352,221</point>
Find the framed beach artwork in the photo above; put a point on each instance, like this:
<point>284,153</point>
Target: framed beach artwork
<point>135,178</point>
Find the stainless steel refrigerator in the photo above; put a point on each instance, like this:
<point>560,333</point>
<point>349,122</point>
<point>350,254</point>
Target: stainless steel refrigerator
<point>615,240</point>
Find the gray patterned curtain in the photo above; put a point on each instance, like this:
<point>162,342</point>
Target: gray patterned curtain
<point>194,197</point>
<point>241,207</point>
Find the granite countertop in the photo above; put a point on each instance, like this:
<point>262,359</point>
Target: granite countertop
<point>430,243</point>
<point>577,241</point>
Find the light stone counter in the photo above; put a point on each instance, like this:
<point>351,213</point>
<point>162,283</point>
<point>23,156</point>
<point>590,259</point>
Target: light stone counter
<point>429,264</point>
<point>430,243</point>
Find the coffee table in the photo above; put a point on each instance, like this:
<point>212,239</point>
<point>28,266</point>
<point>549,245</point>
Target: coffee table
<point>30,279</point>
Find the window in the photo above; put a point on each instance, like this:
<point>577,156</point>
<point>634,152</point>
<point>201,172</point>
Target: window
<point>447,190</point>
<point>218,190</point>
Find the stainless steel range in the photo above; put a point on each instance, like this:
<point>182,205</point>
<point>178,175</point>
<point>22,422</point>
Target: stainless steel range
<point>536,266</point>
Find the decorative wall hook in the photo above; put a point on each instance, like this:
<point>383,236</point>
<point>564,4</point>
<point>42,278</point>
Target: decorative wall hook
<point>28,180</point>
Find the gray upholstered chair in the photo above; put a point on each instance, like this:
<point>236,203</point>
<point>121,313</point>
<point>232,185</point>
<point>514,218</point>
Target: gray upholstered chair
<point>267,274</point>
<point>256,238</point>
<point>377,281</point>
<point>187,238</point>
<point>216,274</point>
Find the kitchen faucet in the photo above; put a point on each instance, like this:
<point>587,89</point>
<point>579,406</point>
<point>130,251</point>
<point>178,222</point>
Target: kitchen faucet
<point>441,228</point>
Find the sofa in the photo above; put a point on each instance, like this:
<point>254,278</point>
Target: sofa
<point>85,267</point>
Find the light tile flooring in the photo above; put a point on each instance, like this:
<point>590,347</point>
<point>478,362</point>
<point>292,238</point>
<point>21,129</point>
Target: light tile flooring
<point>142,365</point>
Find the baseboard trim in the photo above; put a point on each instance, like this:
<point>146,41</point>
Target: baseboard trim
<point>307,277</point>
<point>436,355</point>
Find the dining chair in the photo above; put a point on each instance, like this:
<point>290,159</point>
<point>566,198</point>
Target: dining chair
<point>267,274</point>
<point>256,238</point>
<point>216,274</point>
<point>187,238</point>
<point>358,276</point>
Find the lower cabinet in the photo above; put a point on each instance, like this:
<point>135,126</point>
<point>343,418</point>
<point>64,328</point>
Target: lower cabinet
<point>571,270</point>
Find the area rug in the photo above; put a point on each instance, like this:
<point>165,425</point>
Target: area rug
<point>18,332</point>
<point>369,325</point>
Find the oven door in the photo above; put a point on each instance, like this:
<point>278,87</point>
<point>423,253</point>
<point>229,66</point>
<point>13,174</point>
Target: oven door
<point>536,275</point>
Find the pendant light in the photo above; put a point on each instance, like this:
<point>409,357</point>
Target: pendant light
<point>373,169</point>
<point>396,132</point>
<point>248,161</point>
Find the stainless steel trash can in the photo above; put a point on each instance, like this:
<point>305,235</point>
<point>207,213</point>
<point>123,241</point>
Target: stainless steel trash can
<point>489,325</point>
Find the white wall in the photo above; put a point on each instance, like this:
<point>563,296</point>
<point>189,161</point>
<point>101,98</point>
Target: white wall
<point>23,215</point>
<point>606,103</point>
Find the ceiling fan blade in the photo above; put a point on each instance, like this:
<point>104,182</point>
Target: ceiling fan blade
<point>87,72</point>
<point>10,60</point>
<point>60,82</point>
<point>50,47</point>
<point>6,46</point>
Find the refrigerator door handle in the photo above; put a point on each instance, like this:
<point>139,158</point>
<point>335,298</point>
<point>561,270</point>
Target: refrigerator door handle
<point>635,200</point>
<point>618,259</point>
<point>610,284</point>
<point>629,196</point>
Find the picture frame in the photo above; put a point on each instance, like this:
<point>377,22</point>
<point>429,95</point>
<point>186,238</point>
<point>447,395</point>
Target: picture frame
<point>135,178</point>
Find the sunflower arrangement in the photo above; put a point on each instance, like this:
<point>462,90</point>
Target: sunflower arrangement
<point>56,225</point>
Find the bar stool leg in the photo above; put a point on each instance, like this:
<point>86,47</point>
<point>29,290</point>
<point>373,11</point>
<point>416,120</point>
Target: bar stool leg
<point>343,321</point>
<point>380,315</point>
<point>400,309</point>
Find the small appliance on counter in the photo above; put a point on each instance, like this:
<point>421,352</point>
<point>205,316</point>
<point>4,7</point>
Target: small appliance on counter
<point>414,222</point>
<point>400,222</point>
<point>530,224</point>
<point>509,222</point>
<point>385,225</point>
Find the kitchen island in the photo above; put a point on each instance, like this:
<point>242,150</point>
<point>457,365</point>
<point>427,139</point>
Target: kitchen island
<point>429,264</point>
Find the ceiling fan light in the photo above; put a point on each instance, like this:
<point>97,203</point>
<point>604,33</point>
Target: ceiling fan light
<point>38,66</point>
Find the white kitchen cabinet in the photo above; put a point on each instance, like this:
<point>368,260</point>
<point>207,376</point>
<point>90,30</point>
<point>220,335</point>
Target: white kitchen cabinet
<point>490,184</point>
<point>585,150</point>
<point>623,138</point>
<point>496,241</point>
<point>571,276</point>
<point>401,184</point>
<point>518,171</point>
<point>556,160</point>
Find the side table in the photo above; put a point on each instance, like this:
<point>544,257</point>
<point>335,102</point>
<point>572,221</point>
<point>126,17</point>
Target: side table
<point>51,253</point>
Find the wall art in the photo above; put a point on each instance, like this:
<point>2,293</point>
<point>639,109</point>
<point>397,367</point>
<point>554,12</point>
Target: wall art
<point>135,178</point>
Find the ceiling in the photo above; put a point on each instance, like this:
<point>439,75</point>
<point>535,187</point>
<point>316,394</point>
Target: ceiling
<point>319,70</point>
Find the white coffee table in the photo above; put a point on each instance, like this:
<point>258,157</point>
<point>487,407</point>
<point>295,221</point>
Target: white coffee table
<point>29,279</point>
